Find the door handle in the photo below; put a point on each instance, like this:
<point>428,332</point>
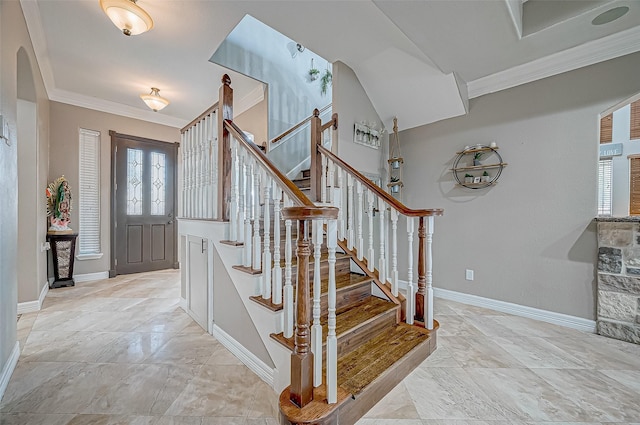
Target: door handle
<point>170,222</point>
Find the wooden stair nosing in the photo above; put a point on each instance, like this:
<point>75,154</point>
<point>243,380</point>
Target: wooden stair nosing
<point>357,406</point>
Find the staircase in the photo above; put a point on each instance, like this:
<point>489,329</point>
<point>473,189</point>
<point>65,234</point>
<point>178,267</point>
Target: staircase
<point>352,335</point>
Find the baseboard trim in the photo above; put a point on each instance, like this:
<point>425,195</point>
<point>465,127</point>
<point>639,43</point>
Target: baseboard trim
<point>248,358</point>
<point>87,277</point>
<point>561,319</point>
<point>8,369</point>
<point>31,306</point>
<point>552,317</point>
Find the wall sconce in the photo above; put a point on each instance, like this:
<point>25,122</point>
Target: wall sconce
<point>154,100</point>
<point>130,18</point>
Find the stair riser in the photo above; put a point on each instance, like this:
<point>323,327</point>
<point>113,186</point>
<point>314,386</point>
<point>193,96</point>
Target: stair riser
<point>343,266</point>
<point>351,340</point>
<point>346,297</point>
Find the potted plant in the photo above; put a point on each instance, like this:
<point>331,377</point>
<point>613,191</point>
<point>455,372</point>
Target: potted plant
<point>486,177</point>
<point>325,81</point>
<point>395,184</point>
<point>313,72</point>
<point>476,158</point>
<point>468,178</point>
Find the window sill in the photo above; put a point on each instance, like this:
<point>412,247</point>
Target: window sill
<point>89,256</point>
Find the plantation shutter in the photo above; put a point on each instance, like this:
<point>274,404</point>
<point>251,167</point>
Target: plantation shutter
<point>605,169</point>
<point>635,120</point>
<point>634,185</point>
<point>89,194</point>
<point>606,129</point>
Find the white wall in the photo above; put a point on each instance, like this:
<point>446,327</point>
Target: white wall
<point>352,104</point>
<point>530,239</point>
<point>13,37</point>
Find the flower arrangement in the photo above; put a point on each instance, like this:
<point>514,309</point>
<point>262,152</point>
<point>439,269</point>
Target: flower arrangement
<point>59,205</point>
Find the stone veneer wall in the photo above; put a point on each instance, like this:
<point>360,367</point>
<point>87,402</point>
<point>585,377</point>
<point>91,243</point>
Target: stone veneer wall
<point>619,278</point>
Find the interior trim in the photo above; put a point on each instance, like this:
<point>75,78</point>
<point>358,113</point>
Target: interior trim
<point>250,360</point>
<point>592,52</point>
<point>8,368</point>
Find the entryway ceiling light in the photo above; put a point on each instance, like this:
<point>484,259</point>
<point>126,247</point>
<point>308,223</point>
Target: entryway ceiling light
<point>130,18</point>
<point>154,100</point>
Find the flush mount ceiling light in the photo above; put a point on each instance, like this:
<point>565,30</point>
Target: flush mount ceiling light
<point>130,18</point>
<point>154,100</point>
<point>610,15</point>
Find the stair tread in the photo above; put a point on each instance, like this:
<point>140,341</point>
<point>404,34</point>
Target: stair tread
<point>359,368</point>
<point>349,319</point>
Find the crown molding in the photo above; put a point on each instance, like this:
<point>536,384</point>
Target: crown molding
<point>592,52</point>
<point>251,99</point>
<point>64,96</point>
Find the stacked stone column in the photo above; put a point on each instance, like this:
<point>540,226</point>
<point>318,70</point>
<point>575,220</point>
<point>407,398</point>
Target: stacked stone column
<point>619,278</point>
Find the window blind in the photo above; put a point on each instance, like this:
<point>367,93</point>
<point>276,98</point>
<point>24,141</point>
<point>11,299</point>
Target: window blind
<point>89,196</point>
<point>605,176</point>
<point>606,129</point>
<point>635,120</point>
<point>634,186</point>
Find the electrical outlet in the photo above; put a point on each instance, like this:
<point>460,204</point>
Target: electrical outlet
<point>469,274</point>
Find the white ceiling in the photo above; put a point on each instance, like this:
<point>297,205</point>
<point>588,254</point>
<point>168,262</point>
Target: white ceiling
<point>418,60</point>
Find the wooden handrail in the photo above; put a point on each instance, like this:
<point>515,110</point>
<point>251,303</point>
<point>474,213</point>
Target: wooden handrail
<point>289,187</point>
<point>297,126</point>
<point>397,205</point>
<point>201,116</point>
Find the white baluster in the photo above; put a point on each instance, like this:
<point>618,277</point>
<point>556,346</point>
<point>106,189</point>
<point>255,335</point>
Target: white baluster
<point>256,259</point>
<point>371,255</point>
<point>351,234</point>
<point>382,270</point>
<point>213,170</point>
<point>323,180</point>
<point>394,252</point>
<point>233,212</point>
<point>198,198</point>
<point>330,182</point>
<point>342,222</point>
<point>183,193</point>
<point>205,169</point>
<point>359,209</point>
<point>242,205</point>
<point>317,235</point>
<point>429,306</point>
<point>411,289</point>
<point>332,344</point>
<point>277,270</point>
<point>266,254</point>
<point>248,240</point>
<point>187,174</point>
<point>288,287</point>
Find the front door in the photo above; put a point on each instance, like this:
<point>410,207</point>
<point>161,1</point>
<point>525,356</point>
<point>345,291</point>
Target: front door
<point>143,204</point>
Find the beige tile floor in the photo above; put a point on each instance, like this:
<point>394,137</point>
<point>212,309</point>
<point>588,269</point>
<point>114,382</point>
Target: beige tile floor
<point>121,351</point>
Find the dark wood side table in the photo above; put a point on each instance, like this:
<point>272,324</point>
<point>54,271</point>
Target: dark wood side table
<point>63,248</point>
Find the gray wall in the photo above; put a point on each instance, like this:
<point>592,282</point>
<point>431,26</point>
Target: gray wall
<point>254,120</point>
<point>66,120</point>
<point>13,37</point>
<point>530,239</point>
<point>352,104</point>
<point>230,314</point>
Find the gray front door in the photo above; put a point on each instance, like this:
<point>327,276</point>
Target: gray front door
<point>143,204</point>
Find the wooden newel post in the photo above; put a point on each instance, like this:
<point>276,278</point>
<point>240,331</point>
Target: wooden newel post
<point>301,389</point>
<point>302,357</point>
<point>422,271</point>
<point>316,158</point>
<point>225,112</point>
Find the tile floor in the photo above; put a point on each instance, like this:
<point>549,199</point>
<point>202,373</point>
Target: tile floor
<point>121,351</point>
